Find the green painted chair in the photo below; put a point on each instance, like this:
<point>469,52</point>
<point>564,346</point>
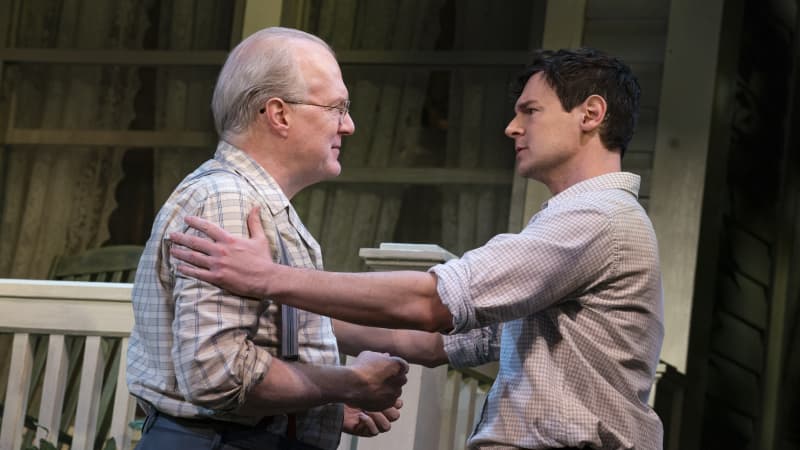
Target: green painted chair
<point>114,264</point>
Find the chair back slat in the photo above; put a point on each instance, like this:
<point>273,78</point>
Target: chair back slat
<point>55,384</point>
<point>115,277</point>
<point>98,264</point>
<point>89,394</point>
<point>16,403</point>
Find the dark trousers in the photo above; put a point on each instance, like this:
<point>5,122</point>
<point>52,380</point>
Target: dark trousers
<point>161,431</point>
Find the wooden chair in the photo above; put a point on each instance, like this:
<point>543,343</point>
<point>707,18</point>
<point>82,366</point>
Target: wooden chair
<point>105,264</point>
<point>114,264</point>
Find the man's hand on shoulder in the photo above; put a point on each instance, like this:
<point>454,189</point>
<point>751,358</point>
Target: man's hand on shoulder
<point>237,264</point>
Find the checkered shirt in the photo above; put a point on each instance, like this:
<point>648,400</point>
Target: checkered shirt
<point>196,350</point>
<point>572,307</point>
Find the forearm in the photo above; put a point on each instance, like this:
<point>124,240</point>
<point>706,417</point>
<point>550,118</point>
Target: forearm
<point>418,347</point>
<point>290,387</point>
<point>403,299</point>
<point>372,382</point>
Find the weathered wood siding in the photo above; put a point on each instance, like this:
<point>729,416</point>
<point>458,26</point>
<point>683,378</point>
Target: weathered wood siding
<point>423,98</point>
<point>738,412</point>
<point>636,32</point>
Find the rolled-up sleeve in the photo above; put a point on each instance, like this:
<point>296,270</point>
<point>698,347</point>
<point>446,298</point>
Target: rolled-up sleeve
<point>216,360</point>
<point>515,275</point>
<point>474,347</point>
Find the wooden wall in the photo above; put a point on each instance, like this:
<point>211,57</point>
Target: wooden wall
<point>725,209</point>
<point>743,407</point>
<point>428,81</point>
<point>636,32</point>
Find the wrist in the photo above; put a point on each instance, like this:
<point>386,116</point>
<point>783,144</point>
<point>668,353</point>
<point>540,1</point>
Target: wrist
<point>268,280</point>
<point>352,388</point>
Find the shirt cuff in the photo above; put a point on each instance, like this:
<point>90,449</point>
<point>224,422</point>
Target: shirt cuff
<point>452,285</point>
<point>473,348</point>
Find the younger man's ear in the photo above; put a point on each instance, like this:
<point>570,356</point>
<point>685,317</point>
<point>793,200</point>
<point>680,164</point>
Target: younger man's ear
<point>595,109</point>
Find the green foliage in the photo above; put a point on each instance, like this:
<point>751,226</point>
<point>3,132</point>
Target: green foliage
<point>43,445</point>
<point>136,424</point>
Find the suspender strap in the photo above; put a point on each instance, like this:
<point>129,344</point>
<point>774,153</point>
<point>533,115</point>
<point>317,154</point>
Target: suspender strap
<point>289,345</point>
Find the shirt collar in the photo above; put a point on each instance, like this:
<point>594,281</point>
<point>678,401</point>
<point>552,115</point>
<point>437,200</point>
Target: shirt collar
<point>625,181</point>
<point>236,159</point>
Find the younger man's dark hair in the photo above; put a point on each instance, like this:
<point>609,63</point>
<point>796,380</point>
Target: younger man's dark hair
<point>576,74</point>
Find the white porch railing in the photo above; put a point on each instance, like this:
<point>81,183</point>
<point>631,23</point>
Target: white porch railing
<point>58,309</point>
<point>439,412</point>
<point>441,405</point>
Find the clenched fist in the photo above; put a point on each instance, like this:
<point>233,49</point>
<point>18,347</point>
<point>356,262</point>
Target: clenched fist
<point>379,379</point>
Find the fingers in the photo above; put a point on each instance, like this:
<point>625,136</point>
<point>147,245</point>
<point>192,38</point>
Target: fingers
<point>403,363</point>
<point>391,414</point>
<point>254,224</point>
<point>211,230</point>
<point>366,422</point>
<point>189,271</point>
<point>189,256</point>
<point>379,421</point>
<point>399,381</point>
<point>195,243</point>
<point>356,422</point>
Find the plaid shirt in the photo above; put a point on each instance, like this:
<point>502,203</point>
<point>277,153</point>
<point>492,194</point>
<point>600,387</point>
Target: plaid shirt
<point>196,350</point>
<point>578,293</point>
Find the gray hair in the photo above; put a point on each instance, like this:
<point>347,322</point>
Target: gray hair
<point>259,68</point>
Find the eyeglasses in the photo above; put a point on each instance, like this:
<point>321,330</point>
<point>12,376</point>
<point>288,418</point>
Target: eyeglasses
<point>343,108</point>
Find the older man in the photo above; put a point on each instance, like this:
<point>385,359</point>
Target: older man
<point>203,362</point>
<point>571,306</point>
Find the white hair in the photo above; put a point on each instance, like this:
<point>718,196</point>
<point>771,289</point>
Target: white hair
<point>259,68</point>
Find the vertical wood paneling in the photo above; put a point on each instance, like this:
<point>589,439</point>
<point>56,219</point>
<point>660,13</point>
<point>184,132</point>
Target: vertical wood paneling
<point>681,158</point>
<point>563,28</point>
<point>746,397</point>
<point>637,33</point>
<point>778,413</point>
